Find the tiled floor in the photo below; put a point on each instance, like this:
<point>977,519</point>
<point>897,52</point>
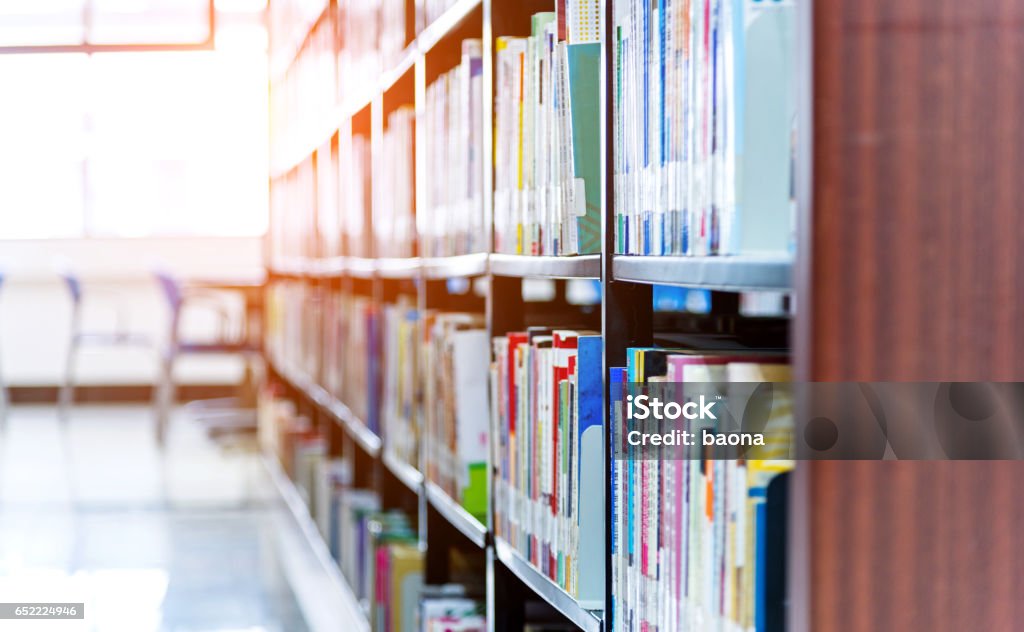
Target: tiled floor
<point>192,537</point>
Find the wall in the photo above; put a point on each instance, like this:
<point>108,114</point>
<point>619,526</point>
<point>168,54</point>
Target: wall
<point>35,305</point>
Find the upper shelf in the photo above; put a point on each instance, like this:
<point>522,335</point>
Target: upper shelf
<point>580,267</point>
<point>769,273</point>
<point>446,23</point>
<point>398,268</point>
<point>728,273</point>
<point>456,266</point>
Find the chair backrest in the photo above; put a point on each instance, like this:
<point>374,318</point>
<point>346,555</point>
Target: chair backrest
<point>74,285</point>
<point>171,289</point>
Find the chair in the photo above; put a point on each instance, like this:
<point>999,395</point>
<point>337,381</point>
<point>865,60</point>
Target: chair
<point>223,415</point>
<point>120,336</point>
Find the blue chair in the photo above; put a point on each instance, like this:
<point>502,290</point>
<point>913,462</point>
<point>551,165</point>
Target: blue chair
<point>228,340</point>
<point>119,336</point>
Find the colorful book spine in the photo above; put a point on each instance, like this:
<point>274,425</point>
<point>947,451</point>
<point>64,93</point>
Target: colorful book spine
<point>689,535</point>
<point>453,221</point>
<point>547,131</point>
<point>456,427</point>
<point>549,431</point>
<point>703,108</point>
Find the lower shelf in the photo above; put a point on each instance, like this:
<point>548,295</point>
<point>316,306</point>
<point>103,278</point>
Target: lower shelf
<point>405,473</point>
<point>456,515</point>
<point>588,620</point>
<point>341,413</point>
<point>286,489</point>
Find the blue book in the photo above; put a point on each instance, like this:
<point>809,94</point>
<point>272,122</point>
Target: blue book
<point>590,482</point>
<point>617,377</point>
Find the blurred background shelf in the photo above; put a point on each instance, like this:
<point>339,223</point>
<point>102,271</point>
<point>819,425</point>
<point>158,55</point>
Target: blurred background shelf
<point>356,616</point>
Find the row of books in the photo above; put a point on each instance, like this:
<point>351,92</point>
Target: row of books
<point>404,385</point>
<point>453,221</point>
<point>456,410</point>
<point>400,370</point>
<point>704,116</point>
<point>292,208</point>
<point>547,128</point>
<point>305,95</point>
<point>293,322</point>
<point>357,194</point>
<point>394,217</point>
<point>690,536</point>
<point>547,422</point>
<point>377,550</point>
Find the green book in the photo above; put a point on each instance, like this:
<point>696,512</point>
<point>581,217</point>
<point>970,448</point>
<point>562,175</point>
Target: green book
<point>585,109</point>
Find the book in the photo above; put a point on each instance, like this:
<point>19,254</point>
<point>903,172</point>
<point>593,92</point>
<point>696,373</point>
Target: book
<point>402,389</point>
<point>457,408</point>
<point>549,441</point>
<point>356,184</point>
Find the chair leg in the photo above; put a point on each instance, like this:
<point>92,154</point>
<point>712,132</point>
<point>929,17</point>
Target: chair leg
<point>66,398</point>
<point>5,402</point>
<point>164,397</point>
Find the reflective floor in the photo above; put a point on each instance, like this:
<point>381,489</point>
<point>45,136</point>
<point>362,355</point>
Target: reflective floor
<point>189,538</point>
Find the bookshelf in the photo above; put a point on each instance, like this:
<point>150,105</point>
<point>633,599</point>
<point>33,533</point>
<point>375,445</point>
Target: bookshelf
<point>356,616</point>
<point>488,284</point>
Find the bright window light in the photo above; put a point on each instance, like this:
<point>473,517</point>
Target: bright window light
<point>135,144</point>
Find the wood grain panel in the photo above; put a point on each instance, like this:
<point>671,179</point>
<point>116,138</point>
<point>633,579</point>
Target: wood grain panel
<point>917,274</point>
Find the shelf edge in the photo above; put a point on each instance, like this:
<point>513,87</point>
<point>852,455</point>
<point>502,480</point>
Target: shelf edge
<point>300,513</point>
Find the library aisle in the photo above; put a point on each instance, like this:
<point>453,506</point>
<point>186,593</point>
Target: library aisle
<point>191,537</point>
<point>511,315</point>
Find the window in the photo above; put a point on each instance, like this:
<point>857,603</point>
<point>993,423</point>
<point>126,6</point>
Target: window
<point>136,144</point>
